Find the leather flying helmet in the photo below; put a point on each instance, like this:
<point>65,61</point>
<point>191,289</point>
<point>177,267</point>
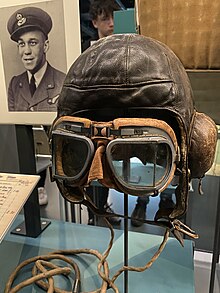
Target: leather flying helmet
<point>127,104</point>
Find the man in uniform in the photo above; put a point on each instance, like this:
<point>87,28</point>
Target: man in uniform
<point>38,88</point>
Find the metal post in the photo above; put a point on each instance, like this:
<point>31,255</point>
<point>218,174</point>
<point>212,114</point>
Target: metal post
<point>125,242</point>
<point>126,174</point>
<point>215,255</point>
<point>32,226</point>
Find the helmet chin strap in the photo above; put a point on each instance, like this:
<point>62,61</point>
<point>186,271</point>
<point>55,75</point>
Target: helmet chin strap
<point>175,226</point>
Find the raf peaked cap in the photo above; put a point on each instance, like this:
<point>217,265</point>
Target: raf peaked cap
<point>28,19</point>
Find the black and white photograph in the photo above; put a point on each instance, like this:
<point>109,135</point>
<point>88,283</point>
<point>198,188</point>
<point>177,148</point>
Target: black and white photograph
<point>35,57</point>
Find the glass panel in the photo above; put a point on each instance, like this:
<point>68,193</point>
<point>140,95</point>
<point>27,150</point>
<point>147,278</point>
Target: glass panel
<point>141,164</point>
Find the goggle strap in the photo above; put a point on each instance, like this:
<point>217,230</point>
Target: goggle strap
<point>97,131</point>
<point>121,127</point>
<point>79,129</point>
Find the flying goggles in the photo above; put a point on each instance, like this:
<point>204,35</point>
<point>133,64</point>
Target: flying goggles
<point>135,156</point>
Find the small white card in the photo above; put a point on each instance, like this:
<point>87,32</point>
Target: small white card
<point>14,191</point>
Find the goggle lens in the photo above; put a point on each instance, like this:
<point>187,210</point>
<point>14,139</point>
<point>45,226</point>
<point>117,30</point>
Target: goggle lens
<point>72,155</point>
<point>141,164</point>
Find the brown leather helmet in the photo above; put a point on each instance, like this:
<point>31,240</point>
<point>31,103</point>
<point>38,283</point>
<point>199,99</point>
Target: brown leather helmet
<point>128,75</point>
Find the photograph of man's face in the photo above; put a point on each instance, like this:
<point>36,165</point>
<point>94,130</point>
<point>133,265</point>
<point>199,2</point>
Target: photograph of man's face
<point>32,48</point>
<point>38,86</point>
<point>39,41</point>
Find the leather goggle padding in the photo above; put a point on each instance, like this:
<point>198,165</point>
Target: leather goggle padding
<point>58,160</point>
<point>96,169</point>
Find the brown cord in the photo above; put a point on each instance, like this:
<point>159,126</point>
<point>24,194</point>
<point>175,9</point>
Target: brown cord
<point>41,263</point>
<point>149,264</point>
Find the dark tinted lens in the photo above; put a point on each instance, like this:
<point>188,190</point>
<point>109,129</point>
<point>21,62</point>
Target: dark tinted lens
<point>71,155</point>
<point>74,156</point>
<point>141,164</point>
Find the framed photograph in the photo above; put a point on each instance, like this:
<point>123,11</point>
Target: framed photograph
<point>19,52</point>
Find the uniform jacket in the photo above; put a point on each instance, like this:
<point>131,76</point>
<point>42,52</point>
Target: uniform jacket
<point>45,97</point>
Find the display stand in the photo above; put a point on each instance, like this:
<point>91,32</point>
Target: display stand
<point>125,242</point>
<point>32,226</point>
<point>216,246</point>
